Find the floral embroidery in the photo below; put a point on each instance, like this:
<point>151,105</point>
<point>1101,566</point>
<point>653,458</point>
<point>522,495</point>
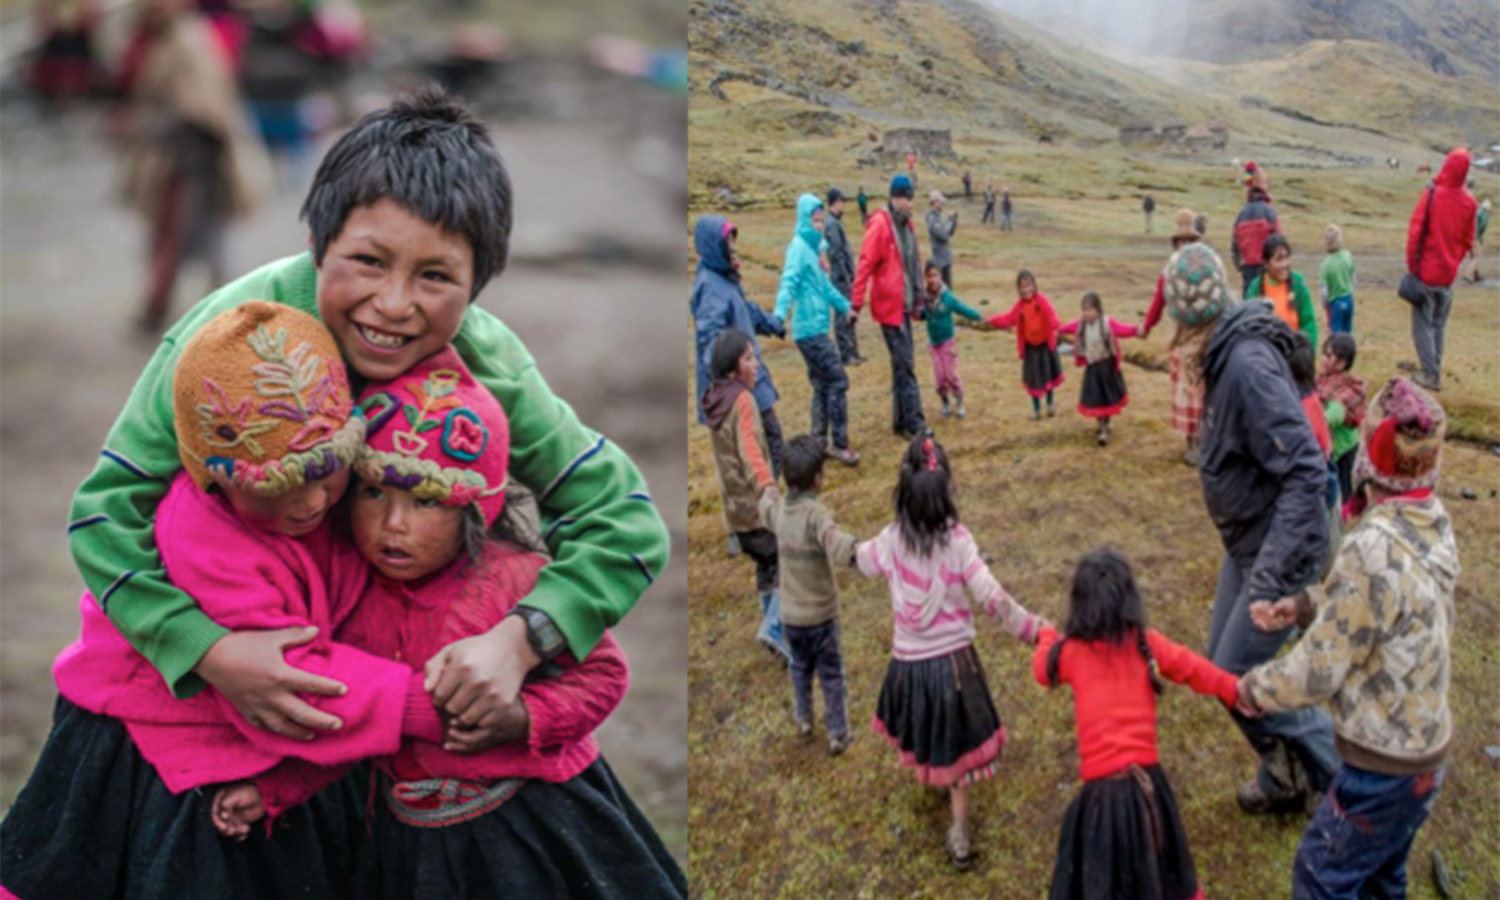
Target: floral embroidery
<point>464,436</point>
<point>227,427</point>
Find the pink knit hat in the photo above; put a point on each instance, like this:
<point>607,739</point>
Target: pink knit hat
<point>438,433</point>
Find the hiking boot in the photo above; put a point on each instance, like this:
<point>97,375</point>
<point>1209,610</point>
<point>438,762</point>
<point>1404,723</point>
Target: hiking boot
<point>962,414</point>
<point>959,851</point>
<point>946,411</point>
<point>1254,800</point>
<point>855,361</point>
<point>1422,381</point>
<point>844,455</point>
<point>804,728</point>
<point>732,549</point>
<point>838,744</point>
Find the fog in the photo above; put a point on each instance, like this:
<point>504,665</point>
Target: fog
<point>1149,27</point>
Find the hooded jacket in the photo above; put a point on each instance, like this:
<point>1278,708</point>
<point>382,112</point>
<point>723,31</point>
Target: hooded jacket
<point>1256,222</point>
<point>840,254</point>
<point>881,272</point>
<point>718,303</point>
<point>804,285</point>
<point>1264,476</point>
<point>740,453</point>
<point>1450,230</point>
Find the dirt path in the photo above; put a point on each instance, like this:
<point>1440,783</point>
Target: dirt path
<point>68,358</point>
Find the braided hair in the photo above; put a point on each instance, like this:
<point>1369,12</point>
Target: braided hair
<point>1106,605</point>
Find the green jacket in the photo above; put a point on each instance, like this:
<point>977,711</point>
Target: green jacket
<point>1336,275</point>
<point>1301,302</point>
<point>940,318</point>
<point>606,537</point>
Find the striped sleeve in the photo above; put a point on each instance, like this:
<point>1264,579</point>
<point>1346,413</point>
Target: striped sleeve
<point>752,440</point>
<point>607,540</point>
<point>996,601</point>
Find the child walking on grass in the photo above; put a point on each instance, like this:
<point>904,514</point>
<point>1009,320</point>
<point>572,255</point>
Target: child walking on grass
<point>1122,836</point>
<point>939,309</point>
<point>810,546</point>
<point>1098,349</point>
<point>1035,322</point>
<point>935,708</point>
<point>540,814</point>
<point>1336,281</point>
<point>744,466</point>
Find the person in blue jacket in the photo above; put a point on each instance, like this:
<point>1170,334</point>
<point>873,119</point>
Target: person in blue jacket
<point>808,292</point>
<point>718,302</point>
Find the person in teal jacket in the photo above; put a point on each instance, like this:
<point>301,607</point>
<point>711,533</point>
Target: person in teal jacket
<point>807,290</point>
<point>1284,289</point>
<point>938,311</point>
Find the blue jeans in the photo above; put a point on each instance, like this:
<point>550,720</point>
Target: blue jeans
<point>815,649</point>
<point>1356,845</point>
<point>1303,736</point>
<point>830,390</point>
<point>1341,315</point>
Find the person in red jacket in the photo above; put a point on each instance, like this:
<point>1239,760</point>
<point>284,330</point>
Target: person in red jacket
<point>1122,835</point>
<point>1256,222</point>
<point>890,272</point>
<point>1438,238</point>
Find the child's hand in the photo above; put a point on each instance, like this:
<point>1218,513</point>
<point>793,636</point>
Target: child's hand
<point>477,680</point>
<point>249,669</point>
<point>514,727</point>
<point>1271,617</point>
<point>1245,705</point>
<point>235,808</point>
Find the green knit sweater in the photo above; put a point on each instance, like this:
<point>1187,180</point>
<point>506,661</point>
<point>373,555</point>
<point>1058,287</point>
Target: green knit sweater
<point>606,537</point>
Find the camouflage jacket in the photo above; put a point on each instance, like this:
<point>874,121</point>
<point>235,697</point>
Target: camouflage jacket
<point>1377,648</point>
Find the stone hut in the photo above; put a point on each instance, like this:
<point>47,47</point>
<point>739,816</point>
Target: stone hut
<point>1137,133</point>
<point>926,143</point>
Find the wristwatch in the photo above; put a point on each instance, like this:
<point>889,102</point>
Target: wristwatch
<point>545,639</point>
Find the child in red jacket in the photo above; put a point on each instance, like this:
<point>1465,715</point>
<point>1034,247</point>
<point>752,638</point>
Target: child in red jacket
<point>459,819</point>
<point>1122,835</point>
<point>1035,322</point>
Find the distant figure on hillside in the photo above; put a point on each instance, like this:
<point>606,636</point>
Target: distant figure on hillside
<point>911,166</point>
<point>1481,223</point>
<point>1438,238</point>
<point>1256,222</point>
<point>841,273</point>
<point>968,186</point>
<point>864,205</point>
<point>1148,206</point>
<point>941,235</point>
<point>890,272</point>
<point>1336,281</point>
<point>989,204</point>
<point>1005,210</point>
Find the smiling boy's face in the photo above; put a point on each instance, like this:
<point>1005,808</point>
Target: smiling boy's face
<point>393,289</point>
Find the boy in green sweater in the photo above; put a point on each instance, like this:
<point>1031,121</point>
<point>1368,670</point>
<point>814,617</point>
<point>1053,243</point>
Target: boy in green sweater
<point>938,309</point>
<point>1336,281</point>
<point>393,270</point>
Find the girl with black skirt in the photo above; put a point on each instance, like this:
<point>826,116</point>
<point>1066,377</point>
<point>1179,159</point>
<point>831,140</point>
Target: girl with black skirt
<point>1035,322</point>
<point>1122,837</point>
<point>935,707</point>
<point>1097,348</point>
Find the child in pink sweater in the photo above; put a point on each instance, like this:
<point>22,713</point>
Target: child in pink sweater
<point>267,433</point>
<point>428,515</point>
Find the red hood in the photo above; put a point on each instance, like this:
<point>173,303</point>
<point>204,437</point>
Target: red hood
<point>1455,169</point>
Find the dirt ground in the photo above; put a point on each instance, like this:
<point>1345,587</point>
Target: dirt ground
<point>773,816</point>
<point>73,268</point>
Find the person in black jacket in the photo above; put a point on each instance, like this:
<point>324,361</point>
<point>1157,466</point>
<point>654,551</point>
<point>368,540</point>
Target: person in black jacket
<point>841,273</point>
<point>1263,478</point>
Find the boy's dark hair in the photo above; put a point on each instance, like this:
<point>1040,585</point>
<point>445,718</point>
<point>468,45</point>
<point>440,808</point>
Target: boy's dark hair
<point>931,266</point>
<point>429,154</point>
<point>802,462</point>
<point>1302,362</point>
<point>729,346</point>
<point>1092,301</point>
<point>1341,346</point>
<point>925,509</point>
<point>1273,243</point>
<point>1105,605</point>
<point>1025,275</point>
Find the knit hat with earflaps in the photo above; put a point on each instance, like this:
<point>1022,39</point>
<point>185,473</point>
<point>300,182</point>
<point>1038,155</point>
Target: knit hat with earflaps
<point>1186,228</point>
<point>262,401</point>
<point>1401,439</point>
<point>1194,285</point>
<point>438,433</point>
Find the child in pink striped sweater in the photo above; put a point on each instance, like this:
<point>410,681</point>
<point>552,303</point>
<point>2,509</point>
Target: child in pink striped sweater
<point>935,706</point>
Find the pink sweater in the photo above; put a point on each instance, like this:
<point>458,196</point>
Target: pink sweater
<point>928,597</point>
<point>412,621</point>
<point>245,579</point>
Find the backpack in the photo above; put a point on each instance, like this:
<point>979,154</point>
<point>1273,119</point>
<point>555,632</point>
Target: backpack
<point>1195,287</point>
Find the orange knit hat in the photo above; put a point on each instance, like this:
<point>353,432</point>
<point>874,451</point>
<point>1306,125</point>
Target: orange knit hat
<point>262,401</point>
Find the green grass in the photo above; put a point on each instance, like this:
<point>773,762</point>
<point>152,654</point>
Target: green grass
<point>772,816</point>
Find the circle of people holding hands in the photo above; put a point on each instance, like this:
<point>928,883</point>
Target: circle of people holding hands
<point>1323,497</point>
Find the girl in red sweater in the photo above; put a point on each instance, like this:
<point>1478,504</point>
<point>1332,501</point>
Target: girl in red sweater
<point>1122,836</point>
<point>1035,322</point>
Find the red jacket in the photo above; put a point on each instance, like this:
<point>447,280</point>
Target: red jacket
<point>1450,233</point>
<point>1256,222</point>
<point>1012,319</point>
<point>880,270</point>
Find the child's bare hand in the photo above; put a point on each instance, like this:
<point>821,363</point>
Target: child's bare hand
<point>249,669</point>
<point>1278,616</point>
<point>477,680</point>
<point>513,727</point>
<point>235,808</point>
<point>1245,704</point>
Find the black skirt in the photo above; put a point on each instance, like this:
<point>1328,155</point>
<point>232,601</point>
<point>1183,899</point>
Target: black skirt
<point>1103,390</point>
<point>582,838</point>
<point>1118,843</point>
<point>96,821</point>
<point>940,718</point>
<point>1041,370</point>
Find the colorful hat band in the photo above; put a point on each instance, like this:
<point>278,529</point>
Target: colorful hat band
<point>424,478</point>
<point>278,476</point>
